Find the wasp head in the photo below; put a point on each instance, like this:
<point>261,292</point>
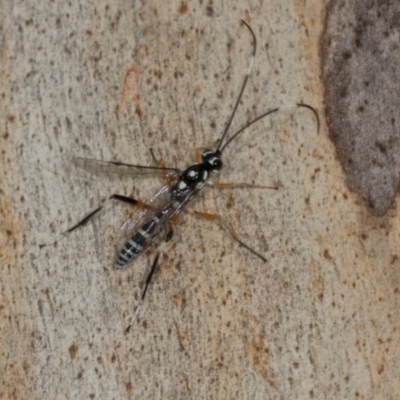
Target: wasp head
<point>212,160</point>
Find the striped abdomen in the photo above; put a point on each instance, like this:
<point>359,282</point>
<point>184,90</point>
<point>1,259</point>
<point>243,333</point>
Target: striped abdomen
<point>139,242</point>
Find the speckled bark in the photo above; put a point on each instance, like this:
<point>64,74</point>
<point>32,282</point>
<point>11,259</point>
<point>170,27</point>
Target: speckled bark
<point>361,75</point>
<point>109,80</point>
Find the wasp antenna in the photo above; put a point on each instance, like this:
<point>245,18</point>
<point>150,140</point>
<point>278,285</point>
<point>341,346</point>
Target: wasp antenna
<point>314,112</point>
<point>269,112</point>
<point>243,84</point>
<point>311,108</point>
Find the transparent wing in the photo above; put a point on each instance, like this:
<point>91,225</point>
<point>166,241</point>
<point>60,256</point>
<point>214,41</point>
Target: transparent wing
<point>159,205</point>
<point>121,169</point>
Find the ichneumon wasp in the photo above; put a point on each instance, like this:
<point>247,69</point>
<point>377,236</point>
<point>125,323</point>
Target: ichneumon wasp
<point>157,215</point>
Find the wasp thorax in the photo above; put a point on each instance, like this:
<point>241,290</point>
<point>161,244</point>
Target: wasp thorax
<point>194,174</point>
<point>212,159</point>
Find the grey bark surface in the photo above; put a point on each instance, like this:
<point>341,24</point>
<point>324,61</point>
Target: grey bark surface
<point>110,80</point>
<point>360,72</point>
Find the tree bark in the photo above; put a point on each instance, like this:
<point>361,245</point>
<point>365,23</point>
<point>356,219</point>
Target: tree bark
<point>110,80</point>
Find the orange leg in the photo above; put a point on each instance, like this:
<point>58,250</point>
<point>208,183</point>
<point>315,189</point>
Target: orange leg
<point>225,225</point>
<point>162,165</point>
<point>228,185</point>
<point>197,156</point>
<point>200,150</point>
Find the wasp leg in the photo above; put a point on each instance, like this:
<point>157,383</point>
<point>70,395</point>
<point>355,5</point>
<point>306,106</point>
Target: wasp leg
<point>168,236</point>
<point>88,217</point>
<point>225,225</point>
<point>131,200</point>
<point>197,156</point>
<point>147,283</point>
<point>167,178</point>
<point>228,185</point>
<point>125,199</point>
<point>84,221</point>
<point>199,150</point>
<point>150,275</point>
<point>161,164</point>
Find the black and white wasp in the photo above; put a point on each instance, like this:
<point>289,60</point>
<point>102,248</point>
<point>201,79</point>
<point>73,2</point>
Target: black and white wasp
<point>157,215</point>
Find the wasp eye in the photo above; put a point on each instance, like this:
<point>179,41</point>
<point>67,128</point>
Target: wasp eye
<point>217,164</point>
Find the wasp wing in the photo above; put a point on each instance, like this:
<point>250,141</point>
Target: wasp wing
<point>121,169</point>
<point>159,207</point>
